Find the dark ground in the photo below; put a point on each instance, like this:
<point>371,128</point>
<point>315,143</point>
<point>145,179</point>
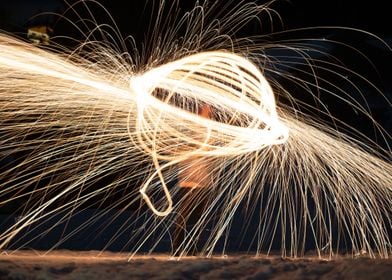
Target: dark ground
<point>94,265</point>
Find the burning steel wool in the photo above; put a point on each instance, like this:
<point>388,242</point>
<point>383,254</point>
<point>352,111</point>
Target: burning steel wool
<point>248,120</point>
<point>76,118</point>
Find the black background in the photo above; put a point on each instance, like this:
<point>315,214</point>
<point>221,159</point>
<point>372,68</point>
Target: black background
<point>132,15</point>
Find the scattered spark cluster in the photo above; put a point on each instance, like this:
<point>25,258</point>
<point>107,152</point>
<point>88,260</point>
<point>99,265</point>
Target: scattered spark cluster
<point>78,118</point>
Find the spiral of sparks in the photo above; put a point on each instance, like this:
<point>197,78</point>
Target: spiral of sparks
<point>167,132</point>
<point>76,120</point>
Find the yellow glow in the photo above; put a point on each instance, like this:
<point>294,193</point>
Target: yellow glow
<point>215,78</point>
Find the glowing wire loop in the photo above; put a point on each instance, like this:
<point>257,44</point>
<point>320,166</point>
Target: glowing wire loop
<point>225,81</point>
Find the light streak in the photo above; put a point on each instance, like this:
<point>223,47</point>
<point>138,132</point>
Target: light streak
<point>78,120</point>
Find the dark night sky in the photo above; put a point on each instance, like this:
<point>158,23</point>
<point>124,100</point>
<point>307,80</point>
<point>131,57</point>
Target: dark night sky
<point>372,17</point>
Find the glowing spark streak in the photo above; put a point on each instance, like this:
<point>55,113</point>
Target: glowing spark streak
<point>15,60</point>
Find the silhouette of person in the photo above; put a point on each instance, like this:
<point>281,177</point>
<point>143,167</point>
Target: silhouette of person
<point>194,178</point>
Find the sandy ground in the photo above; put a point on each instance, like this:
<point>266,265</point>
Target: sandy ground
<point>94,265</point>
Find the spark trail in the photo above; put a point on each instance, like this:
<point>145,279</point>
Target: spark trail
<point>76,120</point>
